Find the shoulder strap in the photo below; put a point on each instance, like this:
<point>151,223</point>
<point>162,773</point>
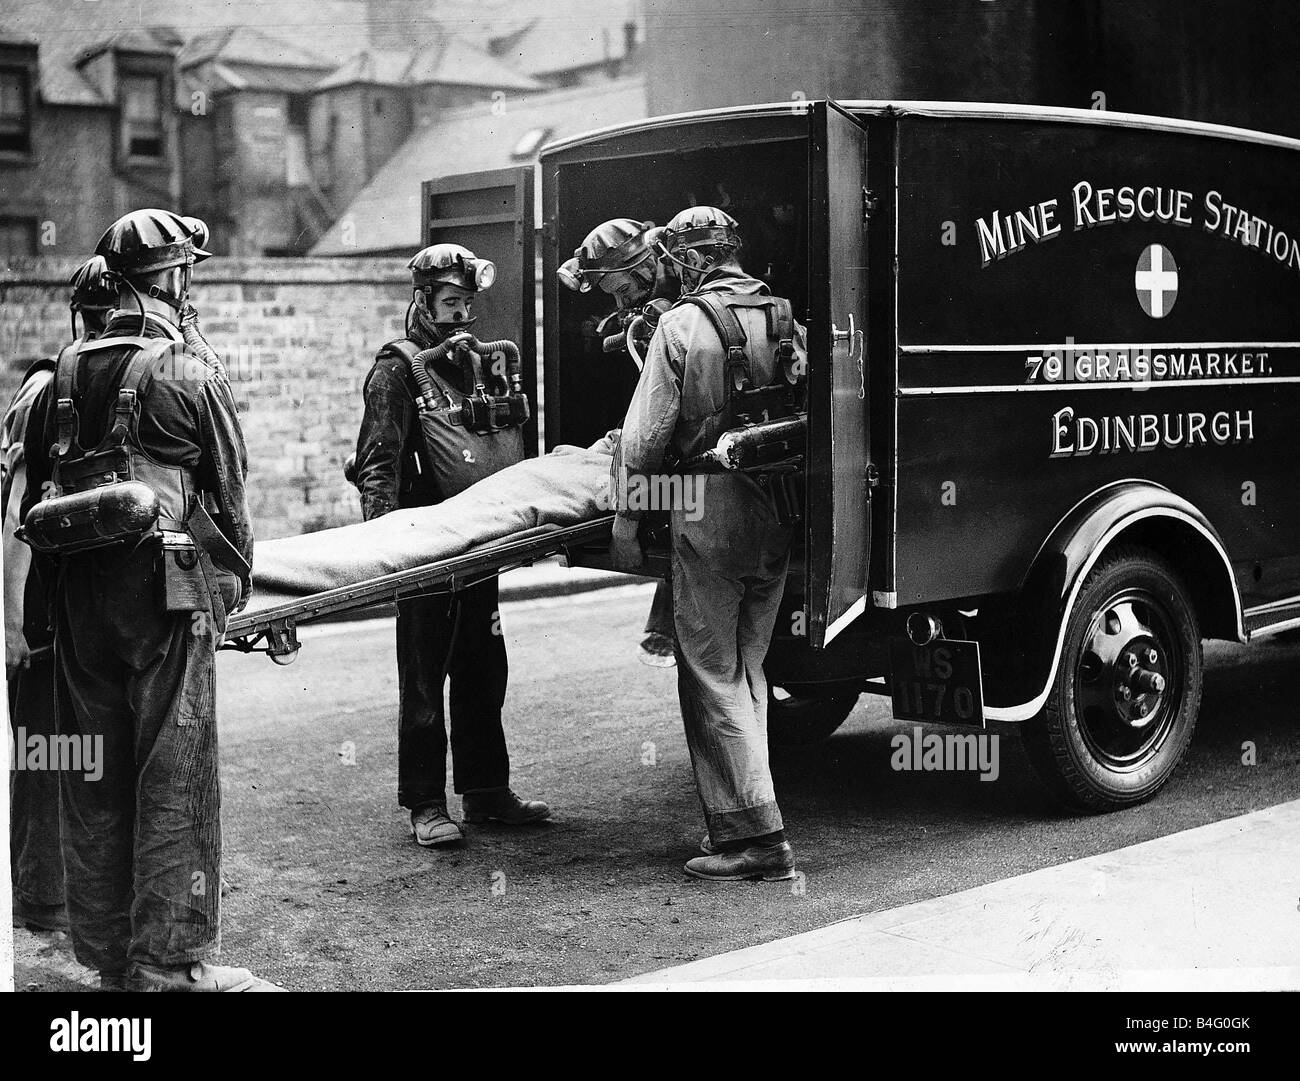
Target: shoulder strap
<point>66,419</point>
<point>780,326</point>
<point>404,348</point>
<point>126,411</point>
<point>732,334</point>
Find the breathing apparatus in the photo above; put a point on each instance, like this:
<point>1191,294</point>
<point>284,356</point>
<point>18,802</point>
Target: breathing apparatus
<point>438,265</point>
<point>478,411</point>
<point>626,248</point>
<point>617,246</point>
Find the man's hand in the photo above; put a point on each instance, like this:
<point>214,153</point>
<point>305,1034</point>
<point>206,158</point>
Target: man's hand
<point>17,653</point>
<point>624,548</point>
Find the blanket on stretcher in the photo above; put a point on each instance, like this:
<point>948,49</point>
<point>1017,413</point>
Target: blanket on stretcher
<point>566,487</point>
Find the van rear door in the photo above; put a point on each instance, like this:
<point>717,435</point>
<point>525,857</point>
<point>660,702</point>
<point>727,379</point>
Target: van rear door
<point>493,214</point>
<point>838,518</point>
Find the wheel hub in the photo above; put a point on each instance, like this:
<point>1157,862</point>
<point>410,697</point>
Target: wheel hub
<point>1127,679</point>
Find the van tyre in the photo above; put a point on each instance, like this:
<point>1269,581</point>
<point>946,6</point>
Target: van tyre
<point>1127,691</point>
<point>799,714</point>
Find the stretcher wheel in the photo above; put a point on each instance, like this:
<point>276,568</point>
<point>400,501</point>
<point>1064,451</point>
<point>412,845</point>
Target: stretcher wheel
<point>1127,690</point>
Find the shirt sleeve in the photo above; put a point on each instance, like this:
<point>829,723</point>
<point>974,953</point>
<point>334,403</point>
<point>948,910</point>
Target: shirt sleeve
<point>385,426</point>
<point>651,416</point>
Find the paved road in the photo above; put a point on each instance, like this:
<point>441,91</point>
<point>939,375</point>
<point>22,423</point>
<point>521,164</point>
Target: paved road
<point>326,890</point>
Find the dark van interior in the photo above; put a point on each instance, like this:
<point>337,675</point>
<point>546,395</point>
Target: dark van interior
<point>763,186</point>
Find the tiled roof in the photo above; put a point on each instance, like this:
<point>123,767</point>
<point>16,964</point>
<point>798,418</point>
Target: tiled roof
<point>377,67</point>
<point>544,38</point>
<point>457,63</point>
<point>461,64</point>
<point>385,215</point>
<point>65,30</point>
<point>246,45</point>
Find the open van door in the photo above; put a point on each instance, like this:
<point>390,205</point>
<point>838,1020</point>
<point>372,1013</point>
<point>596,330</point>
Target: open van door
<point>493,214</point>
<point>838,518</point>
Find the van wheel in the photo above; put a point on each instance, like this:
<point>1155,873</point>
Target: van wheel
<point>1128,687</point>
<point>802,713</point>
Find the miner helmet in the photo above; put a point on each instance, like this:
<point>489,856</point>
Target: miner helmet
<point>614,246</point>
<point>701,227</point>
<point>451,264</point>
<point>93,295</point>
<point>146,241</point>
<point>90,292</point>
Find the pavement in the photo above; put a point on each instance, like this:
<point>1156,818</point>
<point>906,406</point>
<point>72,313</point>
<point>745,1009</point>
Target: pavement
<point>1211,908</point>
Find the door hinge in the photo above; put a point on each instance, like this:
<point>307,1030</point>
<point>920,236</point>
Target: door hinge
<point>869,204</point>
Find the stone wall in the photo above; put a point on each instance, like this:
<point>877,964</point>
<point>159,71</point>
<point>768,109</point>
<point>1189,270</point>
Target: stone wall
<point>298,336</point>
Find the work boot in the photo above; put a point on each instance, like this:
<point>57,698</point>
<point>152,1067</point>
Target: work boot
<point>196,976</point>
<point>656,650</point>
<point>771,863</point>
<point>431,825</point>
<point>502,805</point>
<point>706,846</point>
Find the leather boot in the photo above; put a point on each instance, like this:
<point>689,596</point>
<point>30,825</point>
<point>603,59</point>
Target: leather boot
<point>431,825</point>
<point>502,805</point>
<point>771,863</point>
<point>196,976</point>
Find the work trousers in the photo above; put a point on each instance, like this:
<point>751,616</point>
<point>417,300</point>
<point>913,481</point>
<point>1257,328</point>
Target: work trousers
<point>34,854</point>
<point>660,619</point>
<point>142,844</point>
<point>728,577</point>
<point>454,638</point>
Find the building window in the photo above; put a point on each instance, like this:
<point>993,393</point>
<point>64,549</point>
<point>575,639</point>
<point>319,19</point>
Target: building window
<point>15,110</point>
<point>17,237</point>
<point>142,116</point>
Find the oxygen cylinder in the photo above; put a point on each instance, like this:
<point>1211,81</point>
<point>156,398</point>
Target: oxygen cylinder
<point>96,518</point>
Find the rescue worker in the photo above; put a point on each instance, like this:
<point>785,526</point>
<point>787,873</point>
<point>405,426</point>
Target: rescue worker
<point>137,624</point>
<point>619,257</point>
<point>729,566</point>
<point>35,857</point>
<point>454,638</point>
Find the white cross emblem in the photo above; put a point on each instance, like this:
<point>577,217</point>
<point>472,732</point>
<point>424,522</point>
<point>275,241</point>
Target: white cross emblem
<point>1156,281</point>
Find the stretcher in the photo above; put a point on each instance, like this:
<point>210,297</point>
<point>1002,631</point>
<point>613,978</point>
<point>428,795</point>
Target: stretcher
<point>273,629</point>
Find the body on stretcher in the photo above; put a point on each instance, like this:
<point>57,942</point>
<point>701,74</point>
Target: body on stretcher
<point>271,629</point>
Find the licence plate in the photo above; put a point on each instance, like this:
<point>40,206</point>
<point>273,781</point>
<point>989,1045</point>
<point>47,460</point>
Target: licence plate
<point>936,684</point>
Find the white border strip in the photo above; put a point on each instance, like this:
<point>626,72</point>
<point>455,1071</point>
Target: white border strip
<point>1110,384</point>
<point>943,110</point>
<point>1027,710</point>
<point>851,613</point>
<point>1088,347</point>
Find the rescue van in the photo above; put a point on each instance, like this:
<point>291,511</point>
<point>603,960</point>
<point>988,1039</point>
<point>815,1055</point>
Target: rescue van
<point>1054,378</point>
<point>1053,387</point>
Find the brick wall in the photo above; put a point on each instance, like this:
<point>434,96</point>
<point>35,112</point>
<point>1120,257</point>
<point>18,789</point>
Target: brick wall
<point>298,336</point>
